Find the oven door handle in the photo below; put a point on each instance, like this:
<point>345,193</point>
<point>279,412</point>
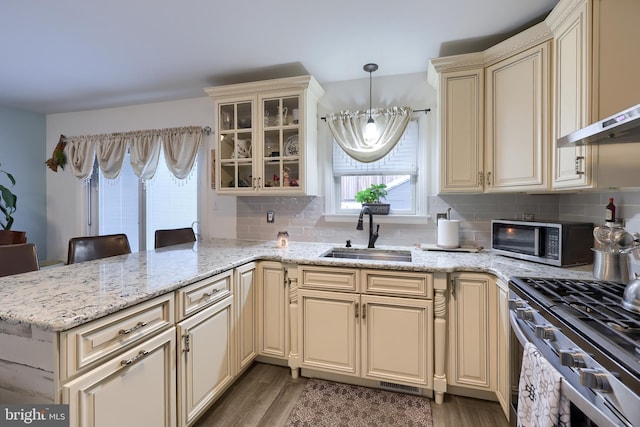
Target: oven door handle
<point>592,412</point>
<point>518,332</point>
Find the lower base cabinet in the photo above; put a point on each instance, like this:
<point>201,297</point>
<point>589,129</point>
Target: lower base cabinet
<point>472,331</point>
<point>136,388</point>
<point>205,359</point>
<point>273,298</point>
<point>503,387</point>
<point>379,338</point>
<point>246,306</point>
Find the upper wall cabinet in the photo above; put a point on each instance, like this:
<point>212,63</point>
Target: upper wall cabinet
<point>578,66</point>
<point>517,122</point>
<point>595,75</point>
<point>266,137</point>
<point>462,127</point>
<point>494,116</point>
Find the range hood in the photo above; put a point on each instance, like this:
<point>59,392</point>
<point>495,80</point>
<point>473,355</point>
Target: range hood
<point>621,127</point>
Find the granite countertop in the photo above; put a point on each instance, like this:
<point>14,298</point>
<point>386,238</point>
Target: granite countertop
<point>60,298</point>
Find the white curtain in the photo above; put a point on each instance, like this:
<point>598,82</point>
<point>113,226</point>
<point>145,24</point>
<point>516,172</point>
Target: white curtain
<point>79,150</point>
<point>180,150</point>
<point>110,152</point>
<point>144,150</point>
<point>348,128</point>
<point>180,146</point>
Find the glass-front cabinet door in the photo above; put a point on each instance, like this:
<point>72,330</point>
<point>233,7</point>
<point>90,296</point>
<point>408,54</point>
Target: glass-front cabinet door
<point>281,143</point>
<point>266,137</point>
<point>235,146</point>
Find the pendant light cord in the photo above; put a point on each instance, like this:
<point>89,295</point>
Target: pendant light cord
<point>370,85</point>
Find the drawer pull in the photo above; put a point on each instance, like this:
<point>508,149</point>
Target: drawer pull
<point>135,328</point>
<point>134,359</point>
<point>208,295</point>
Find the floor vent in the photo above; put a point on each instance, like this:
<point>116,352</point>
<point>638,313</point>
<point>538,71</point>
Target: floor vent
<point>400,388</point>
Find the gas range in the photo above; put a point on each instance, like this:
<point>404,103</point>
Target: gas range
<point>583,326</point>
<point>593,311</point>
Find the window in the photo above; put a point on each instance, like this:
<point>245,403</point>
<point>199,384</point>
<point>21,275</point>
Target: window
<point>399,170</point>
<point>127,205</point>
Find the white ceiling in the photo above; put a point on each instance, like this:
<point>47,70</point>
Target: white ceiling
<point>72,55</point>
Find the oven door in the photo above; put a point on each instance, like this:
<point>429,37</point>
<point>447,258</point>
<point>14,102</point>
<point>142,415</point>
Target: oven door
<point>583,410</point>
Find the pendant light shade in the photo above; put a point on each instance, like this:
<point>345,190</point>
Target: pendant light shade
<point>370,130</point>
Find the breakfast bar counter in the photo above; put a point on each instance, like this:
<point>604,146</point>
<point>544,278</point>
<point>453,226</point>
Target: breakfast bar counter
<point>60,298</point>
<point>161,318</point>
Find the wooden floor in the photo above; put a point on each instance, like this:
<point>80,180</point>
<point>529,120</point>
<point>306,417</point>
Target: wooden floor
<point>265,395</point>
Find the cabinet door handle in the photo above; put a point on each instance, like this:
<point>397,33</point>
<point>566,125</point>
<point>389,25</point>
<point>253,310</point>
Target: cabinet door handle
<point>187,347</point>
<point>287,280</point>
<point>453,288</point>
<point>578,170</point>
<point>357,310</point>
<point>481,178</point>
<point>364,311</point>
<point>489,178</point>
<point>259,186</point>
<point>135,328</point>
<point>128,362</point>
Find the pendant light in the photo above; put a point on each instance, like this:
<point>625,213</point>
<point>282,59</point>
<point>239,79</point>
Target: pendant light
<point>370,130</point>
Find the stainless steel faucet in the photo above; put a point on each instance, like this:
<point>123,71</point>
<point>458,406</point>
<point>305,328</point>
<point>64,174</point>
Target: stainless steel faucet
<point>373,236</point>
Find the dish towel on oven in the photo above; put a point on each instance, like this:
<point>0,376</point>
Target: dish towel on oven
<point>540,403</point>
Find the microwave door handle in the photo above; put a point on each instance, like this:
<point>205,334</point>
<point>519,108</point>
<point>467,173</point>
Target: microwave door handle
<point>536,241</point>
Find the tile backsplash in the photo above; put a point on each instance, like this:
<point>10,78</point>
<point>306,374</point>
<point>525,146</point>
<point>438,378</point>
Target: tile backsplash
<point>303,217</point>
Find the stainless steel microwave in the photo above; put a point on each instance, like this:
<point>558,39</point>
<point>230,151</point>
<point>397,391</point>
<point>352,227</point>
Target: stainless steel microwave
<point>561,244</point>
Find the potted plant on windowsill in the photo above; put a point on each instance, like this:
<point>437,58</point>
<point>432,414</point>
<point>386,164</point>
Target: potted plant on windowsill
<point>8,202</point>
<point>372,197</point>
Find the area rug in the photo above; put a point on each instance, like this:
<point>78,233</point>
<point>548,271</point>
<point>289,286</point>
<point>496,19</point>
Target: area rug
<point>327,403</point>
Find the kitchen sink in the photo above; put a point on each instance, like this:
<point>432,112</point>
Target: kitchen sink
<point>369,254</point>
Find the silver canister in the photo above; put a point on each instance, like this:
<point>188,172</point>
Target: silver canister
<point>611,266</point>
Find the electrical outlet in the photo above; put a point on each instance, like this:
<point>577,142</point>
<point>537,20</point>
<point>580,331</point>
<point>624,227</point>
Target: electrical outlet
<point>271,216</point>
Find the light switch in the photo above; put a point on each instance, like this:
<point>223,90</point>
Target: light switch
<point>271,216</point>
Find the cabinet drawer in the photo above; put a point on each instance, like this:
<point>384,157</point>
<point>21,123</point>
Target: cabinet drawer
<point>81,347</point>
<point>398,283</point>
<point>203,293</point>
<point>332,279</point>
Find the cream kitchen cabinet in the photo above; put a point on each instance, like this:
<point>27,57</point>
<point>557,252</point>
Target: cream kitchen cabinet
<point>136,388</point>
<point>472,332</point>
<point>517,121</point>
<point>493,116</point>
<point>503,361</point>
<point>246,309</point>
<point>266,137</point>
<point>344,330</point>
<point>594,76</point>
<point>462,131</point>
<point>107,364</point>
<point>204,350</point>
<point>273,318</point>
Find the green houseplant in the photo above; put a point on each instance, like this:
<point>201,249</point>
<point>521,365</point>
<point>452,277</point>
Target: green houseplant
<point>372,197</point>
<point>8,202</point>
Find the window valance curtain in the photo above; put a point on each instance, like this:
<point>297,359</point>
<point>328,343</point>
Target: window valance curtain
<point>180,148</point>
<point>348,128</point>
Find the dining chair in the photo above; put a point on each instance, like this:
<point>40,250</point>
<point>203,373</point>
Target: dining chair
<point>174,236</point>
<point>20,258</point>
<point>95,247</point>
